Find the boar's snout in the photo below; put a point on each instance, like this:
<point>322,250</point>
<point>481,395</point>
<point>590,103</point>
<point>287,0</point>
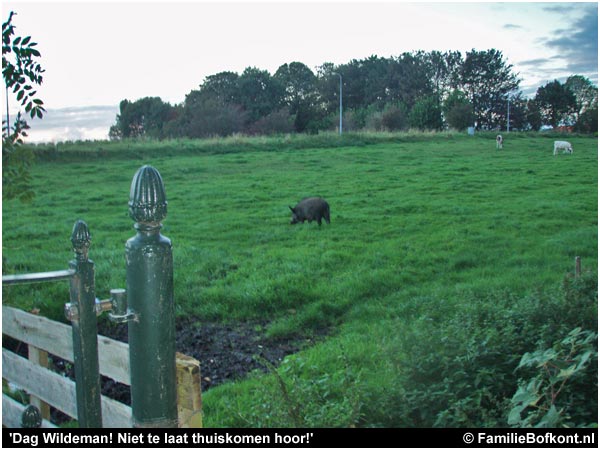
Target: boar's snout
<point>294,218</point>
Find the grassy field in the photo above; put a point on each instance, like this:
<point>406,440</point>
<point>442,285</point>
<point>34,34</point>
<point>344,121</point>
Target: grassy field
<point>437,246</point>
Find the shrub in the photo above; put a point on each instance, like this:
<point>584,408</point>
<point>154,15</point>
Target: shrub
<point>458,111</point>
<point>299,395</point>
<point>588,121</point>
<point>426,114</point>
<point>277,122</point>
<point>374,121</point>
<point>560,391</point>
<point>394,118</point>
<point>460,370</point>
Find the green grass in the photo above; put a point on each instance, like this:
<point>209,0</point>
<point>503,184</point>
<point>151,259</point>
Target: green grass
<point>421,225</point>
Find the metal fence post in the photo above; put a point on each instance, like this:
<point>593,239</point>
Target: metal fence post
<point>82,314</point>
<point>149,261</point>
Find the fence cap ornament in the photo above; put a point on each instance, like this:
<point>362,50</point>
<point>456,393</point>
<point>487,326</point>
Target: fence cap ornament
<point>147,198</point>
<point>31,417</point>
<point>81,240</point>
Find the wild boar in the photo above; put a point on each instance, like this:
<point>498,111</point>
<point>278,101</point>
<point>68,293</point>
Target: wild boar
<point>310,208</point>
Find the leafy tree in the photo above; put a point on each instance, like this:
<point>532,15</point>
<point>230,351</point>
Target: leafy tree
<point>443,70</point>
<point>556,103</point>
<point>488,80</point>
<point>353,86</point>
<point>377,93</point>
<point>458,111</point>
<point>328,89</point>
<point>408,79</point>
<point>518,113</point>
<point>260,94</point>
<point>588,121</point>
<point>534,116</point>
<point>300,92</point>
<point>586,94</point>
<point>298,81</point>
<point>144,117</point>
<point>426,114</point>
<point>365,81</point>
<point>375,71</point>
<point>21,72</point>
<point>223,87</point>
<point>206,116</point>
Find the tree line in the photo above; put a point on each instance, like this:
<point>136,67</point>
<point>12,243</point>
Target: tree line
<point>419,90</point>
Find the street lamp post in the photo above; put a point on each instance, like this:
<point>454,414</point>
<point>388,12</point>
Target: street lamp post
<point>508,116</point>
<point>340,75</point>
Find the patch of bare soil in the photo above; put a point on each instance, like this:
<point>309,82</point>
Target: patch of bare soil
<point>226,351</point>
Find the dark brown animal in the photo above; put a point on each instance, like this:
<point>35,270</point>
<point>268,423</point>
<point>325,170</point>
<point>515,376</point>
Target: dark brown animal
<point>310,208</point>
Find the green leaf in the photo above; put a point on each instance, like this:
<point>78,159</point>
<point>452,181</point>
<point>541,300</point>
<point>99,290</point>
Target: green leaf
<point>550,419</point>
<point>514,417</point>
<point>566,373</point>
<point>584,359</point>
<point>26,40</point>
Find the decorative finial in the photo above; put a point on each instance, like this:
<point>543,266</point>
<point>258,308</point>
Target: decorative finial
<point>147,199</point>
<point>31,417</point>
<point>81,240</point>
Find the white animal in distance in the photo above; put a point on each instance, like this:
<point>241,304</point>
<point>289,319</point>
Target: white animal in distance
<point>565,146</point>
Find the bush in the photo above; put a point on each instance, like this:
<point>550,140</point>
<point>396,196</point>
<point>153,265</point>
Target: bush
<point>462,359</point>
<point>426,114</point>
<point>277,122</point>
<point>460,116</point>
<point>374,121</point>
<point>588,121</point>
<point>458,111</point>
<point>559,392</point>
<point>394,118</point>
<point>299,395</point>
<point>211,118</point>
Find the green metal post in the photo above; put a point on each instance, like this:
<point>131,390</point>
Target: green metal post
<point>82,313</point>
<point>149,260</point>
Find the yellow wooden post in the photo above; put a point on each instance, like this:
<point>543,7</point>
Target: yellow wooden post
<point>189,392</point>
<point>39,357</point>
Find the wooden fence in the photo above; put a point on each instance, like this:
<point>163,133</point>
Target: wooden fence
<point>43,337</point>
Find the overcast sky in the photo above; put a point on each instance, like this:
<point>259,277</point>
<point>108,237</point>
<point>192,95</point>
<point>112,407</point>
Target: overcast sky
<point>99,53</point>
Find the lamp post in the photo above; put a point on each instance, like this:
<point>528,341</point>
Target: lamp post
<point>338,74</point>
<point>508,116</point>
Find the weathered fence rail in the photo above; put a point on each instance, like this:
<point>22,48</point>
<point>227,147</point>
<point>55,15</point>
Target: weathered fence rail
<point>58,391</point>
<point>50,387</point>
<point>42,277</point>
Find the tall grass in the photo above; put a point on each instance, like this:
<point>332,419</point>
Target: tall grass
<point>141,148</point>
<point>424,227</point>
